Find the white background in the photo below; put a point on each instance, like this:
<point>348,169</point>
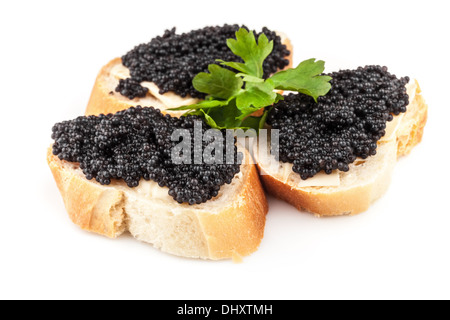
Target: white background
<point>50,54</point>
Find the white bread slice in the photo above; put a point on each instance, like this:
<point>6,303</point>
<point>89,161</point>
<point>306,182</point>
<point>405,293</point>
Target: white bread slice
<point>366,181</point>
<point>229,226</point>
<point>105,100</point>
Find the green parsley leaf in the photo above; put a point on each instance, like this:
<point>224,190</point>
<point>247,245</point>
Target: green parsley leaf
<point>219,83</point>
<point>251,123</point>
<point>256,123</point>
<point>225,117</point>
<point>249,78</point>
<point>263,119</point>
<point>279,98</point>
<point>228,118</point>
<point>210,121</point>
<point>306,78</point>
<point>198,112</point>
<point>233,98</point>
<point>255,96</point>
<point>252,53</point>
<point>205,104</point>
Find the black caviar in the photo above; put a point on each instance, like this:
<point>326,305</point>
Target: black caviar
<point>173,60</point>
<point>345,124</point>
<point>136,144</point>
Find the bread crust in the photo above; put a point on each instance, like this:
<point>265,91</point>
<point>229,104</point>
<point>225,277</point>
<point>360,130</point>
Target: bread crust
<point>102,99</point>
<point>105,100</point>
<point>346,202</point>
<point>357,199</point>
<point>89,205</point>
<point>287,42</point>
<point>411,134</point>
<point>236,231</point>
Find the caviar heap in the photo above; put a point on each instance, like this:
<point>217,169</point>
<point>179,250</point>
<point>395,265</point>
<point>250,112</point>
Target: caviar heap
<point>173,60</point>
<point>343,125</point>
<point>136,144</point>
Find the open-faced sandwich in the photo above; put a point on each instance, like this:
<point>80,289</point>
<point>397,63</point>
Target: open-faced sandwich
<point>336,156</point>
<point>118,173</point>
<point>172,172</point>
<point>160,73</point>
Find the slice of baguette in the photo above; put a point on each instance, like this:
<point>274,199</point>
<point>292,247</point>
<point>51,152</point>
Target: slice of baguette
<point>366,181</point>
<point>228,226</point>
<point>104,99</point>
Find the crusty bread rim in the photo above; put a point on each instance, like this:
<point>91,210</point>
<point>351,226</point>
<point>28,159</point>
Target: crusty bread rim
<point>229,226</point>
<point>356,197</point>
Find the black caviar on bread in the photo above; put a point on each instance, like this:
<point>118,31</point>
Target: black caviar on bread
<point>343,125</point>
<point>127,161</point>
<point>171,61</point>
<point>356,133</point>
<point>136,144</point>
<point>230,225</point>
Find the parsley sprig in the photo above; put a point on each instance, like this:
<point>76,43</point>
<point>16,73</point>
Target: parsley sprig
<point>232,97</point>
